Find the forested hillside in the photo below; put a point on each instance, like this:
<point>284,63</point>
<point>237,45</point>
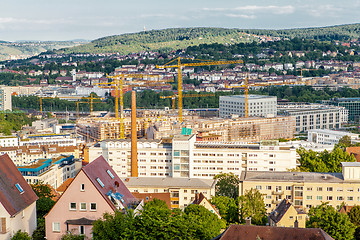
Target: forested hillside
<point>180,38</point>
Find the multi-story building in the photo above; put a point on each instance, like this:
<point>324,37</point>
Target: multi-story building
<point>25,155</point>
<point>306,189</point>
<point>329,137</point>
<point>259,106</point>
<point>184,157</point>
<point>313,116</point>
<point>10,141</point>
<point>5,99</point>
<point>52,171</point>
<point>351,104</point>
<point>182,190</point>
<point>49,139</point>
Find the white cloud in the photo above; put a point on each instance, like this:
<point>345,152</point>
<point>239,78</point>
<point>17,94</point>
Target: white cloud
<point>240,16</point>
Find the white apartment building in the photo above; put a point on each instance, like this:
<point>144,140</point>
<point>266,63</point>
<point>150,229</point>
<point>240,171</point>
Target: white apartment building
<point>259,106</point>
<point>314,116</point>
<point>53,171</point>
<point>5,99</point>
<point>184,157</point>
<point>329,137</point>
<point>49,139</point>
<point>9,141</point>
<point>182,190</point>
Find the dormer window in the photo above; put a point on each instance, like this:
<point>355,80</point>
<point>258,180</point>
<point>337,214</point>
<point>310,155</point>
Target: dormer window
<point>110,174</point>
<point>21,190</point>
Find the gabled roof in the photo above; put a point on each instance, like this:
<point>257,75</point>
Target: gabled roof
<point>246,232</point>
<point>112,184</point>
<point>281,209</point>
<point>11,183</point>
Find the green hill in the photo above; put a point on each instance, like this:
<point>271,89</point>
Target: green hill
<point>180,38</point>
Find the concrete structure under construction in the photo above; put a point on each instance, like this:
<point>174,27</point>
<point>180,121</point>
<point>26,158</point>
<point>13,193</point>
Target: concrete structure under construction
<point>183,156</point>
<point>314,116</point>
<point>259,106</point>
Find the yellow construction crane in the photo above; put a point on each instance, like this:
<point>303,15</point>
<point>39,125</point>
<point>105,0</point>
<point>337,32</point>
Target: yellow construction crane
<point>179,67</point>
<point>91,108</point>
<point>262,84</point>
<point>173,97</point>
<point>118,84</point>
<point>91,98</point>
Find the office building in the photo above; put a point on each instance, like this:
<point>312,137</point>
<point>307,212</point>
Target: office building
<point>313,116</point>
<point>259,106</point>
<point>329,137</point>
<point>351,104</point>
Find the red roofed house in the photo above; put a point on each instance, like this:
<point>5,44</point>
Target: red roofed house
<point>201,200</point>
<point>17,201</point>
<point>96,189</point>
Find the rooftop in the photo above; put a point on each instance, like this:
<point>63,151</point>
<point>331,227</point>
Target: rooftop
<point>250,96</point>
<point>169,182</point>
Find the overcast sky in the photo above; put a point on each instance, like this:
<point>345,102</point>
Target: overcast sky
<point>91,19</point>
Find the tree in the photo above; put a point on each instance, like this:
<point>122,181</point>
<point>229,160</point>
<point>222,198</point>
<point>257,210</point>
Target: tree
<point>228,208</point>
<point>19,235</point>
<point>39,232</point>
<point>227,185</point>
<point>42,190</point>
<point>72,236</point>
<point>251,204</point>
<point>336,224</point>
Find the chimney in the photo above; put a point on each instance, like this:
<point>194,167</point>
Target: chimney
<point>248,221</point>
<point>134,161</point>
<point>296,223</point>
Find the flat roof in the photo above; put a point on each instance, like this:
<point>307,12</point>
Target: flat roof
<point>168,182</point>
<point>252,96</point>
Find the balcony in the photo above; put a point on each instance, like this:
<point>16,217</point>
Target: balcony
<point>277,192</point>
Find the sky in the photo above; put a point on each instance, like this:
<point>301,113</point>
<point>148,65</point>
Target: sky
<point>91,19</point>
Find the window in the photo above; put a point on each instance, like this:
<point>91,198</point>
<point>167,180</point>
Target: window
<point>72,206</point>
<point>110,174</point>
<point>350,198</point>
<point>268,197</point>
<point>82,187</point>
<point>288,188</point>
<point>21,190</point>
<point>92,206</point>
<point>329,189</point>
<point>82,206</point>
<point>308,197</point>
<point>100,182</point>
<point>319,189</point>
<point>56,227</point>
<point>268,187</point>
<point>340,198</point>
<point>318,197</point>
<point>329,198</point>
<point>309,189</point>
<point>82,230</point>
<point>258,187</point>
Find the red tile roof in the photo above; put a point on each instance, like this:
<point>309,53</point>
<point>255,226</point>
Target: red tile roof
<point>10,197</point>
<point>246,232</point>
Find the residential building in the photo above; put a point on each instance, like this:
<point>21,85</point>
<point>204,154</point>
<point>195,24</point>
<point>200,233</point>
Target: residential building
<point>306,189</point>
<point>329,137</point>
<point>17,201</point>
<point>10,141</point>
<point>313,116</point>
<point>146,197</point>
<point>184,157</point>
<point>25,155</point>
<point>182,190</point>
<point>95,190</point>
<point>5,99</point>
<point>286,215</point>
<point>240,232</point>
<point>258,106</point>
<point>52,171</point>
<point>201,200</point>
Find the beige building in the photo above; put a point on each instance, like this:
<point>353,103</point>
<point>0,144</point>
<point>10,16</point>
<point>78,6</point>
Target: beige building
<point>182,190</point>
<point>306,189</point>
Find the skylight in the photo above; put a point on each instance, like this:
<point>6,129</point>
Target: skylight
<point>21,190</point>
<point>100,182</point>
<point>110,174</point>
